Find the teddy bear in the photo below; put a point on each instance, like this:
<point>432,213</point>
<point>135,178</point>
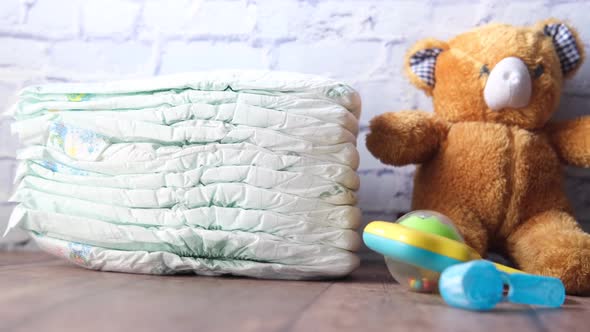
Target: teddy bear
<point>489,157</point>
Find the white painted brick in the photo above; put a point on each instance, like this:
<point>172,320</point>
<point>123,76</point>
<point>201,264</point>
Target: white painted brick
<point>9,11</point>
<point>580,83</point>
<point>506,12</point>
<point>281,19</point>
<point>54,18</point>
<point>408,19</point>
<point>7,169</point>
<point>211,18</point>
<point>169,19</point>
<point>572,106</point>
<point>108,58</point>
<point>334,58</point>
<point>450,18</point>
<point>23,53</point>
<point>384,96</point>
<point>182,56</point>
<point>8,91</point>
<point>575,13</point>
<point>386,189</point>
<point>110,18</point>
<point>334,19</point>
<point>8,141</point>
<point>313,21</point>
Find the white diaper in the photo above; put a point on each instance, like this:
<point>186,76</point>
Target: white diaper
<point>128,160</point>
<point>162,262</point>
<point>217,194</point>
<point>183,241</point>
<point>248,173</point>
<point>296,183</point>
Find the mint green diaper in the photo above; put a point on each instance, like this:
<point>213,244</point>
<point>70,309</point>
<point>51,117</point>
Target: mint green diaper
<point>163,262</point>
<point>296,183</point>
<point>183,241</point>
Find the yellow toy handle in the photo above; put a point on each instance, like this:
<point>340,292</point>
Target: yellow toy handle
<point>431,242</point>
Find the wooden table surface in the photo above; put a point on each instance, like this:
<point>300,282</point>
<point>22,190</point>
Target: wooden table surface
<point>40,293</point>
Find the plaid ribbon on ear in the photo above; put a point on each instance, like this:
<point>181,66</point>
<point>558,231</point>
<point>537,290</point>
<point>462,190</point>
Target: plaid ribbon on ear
<point>422,64</point>
<point>565,45</point>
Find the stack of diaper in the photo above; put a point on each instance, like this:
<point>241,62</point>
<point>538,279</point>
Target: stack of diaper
<point>244,173</point>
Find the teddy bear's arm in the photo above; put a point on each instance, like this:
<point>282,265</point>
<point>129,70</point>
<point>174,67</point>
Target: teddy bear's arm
<point>571,140</point>
<point>406,137</point>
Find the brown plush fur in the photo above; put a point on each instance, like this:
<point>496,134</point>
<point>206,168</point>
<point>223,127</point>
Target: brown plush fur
<point>496,174</point>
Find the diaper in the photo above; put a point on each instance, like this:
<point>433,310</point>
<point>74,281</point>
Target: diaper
<point>193,130</point>
<point>212,217</point>
<point>296,183</point>
<point>98,258</point>
<point>183,241</point>
<point>125,161</point>
<point>235,172</point>
<point>289,228</point>
<point>246,109</point>
<point>269,83</point>
<point>85,144</point>
<point>217,194</point>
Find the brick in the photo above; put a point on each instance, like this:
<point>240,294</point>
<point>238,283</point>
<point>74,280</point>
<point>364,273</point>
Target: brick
<point>211,18</point>
<point>54,19</point>
<point>575,13</point>
<point>580,83</point>
<point>8,141</point>
<point>450,19</point>
<point>334,19</point>
<point>7,171</point>
<point>512,12</point>
<point>387,189</point>
<point>110,18</point>
<point>380,96</point>
<point>8,92</point>
<point>24,53</point>
<point>9,11</point>
<point>181,56</point>
<point>402,18</point>
<point>281,19</point>
<point>571,106</point>
<point>104,58</point>
<point>334,58</point>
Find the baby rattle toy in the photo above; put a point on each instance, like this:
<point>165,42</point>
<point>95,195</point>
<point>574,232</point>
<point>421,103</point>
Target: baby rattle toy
<point>424,252</point>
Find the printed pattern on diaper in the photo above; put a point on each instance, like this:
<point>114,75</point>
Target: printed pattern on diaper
<point>334,191</point>
<point>81,144</point>
<point>77,97</point>
<point>339,91</point>
<point>61,168</point>
<point>79,253</point>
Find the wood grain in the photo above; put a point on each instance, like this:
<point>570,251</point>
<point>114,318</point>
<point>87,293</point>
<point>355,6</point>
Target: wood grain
<point>43,294</point>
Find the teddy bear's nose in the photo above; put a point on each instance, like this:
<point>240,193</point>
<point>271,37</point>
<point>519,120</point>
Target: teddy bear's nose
<point>509,85</point>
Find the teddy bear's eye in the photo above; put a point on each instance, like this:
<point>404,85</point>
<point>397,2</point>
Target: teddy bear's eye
<point>538,71</point>
<point>484,70</point>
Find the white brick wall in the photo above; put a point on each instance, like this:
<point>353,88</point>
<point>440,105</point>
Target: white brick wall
<point>359,41</point>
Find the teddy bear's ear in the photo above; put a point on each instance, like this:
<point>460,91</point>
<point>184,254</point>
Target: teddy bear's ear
<point>421,61</point>
<point>567,43</point>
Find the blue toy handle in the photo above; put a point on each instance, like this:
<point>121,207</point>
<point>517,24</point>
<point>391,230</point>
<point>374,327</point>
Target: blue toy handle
<point>535,290</point>
<point>479,285</point>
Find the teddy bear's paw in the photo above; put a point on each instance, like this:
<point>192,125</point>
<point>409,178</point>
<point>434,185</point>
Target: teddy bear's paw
<point>552,244</point>
<point>402,138</point>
